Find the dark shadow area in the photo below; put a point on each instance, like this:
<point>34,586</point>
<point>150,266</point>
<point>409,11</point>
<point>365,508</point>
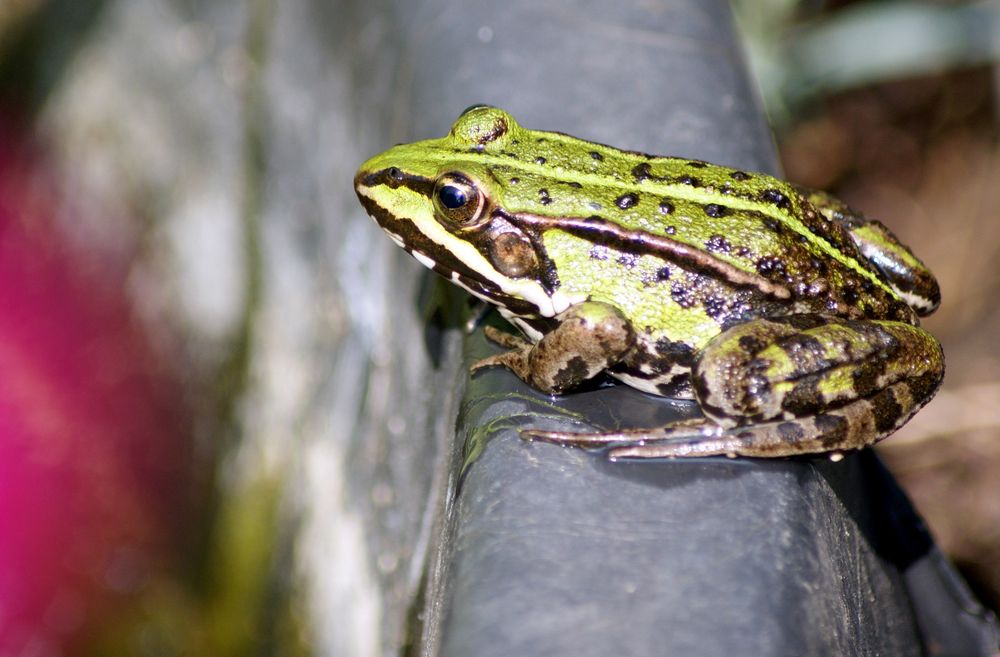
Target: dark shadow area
<point>879,507</point>
<point>35,53</point>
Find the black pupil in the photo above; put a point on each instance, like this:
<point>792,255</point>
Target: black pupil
<point>453,197</point>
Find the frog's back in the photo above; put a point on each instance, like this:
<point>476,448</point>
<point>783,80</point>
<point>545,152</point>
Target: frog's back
<point>742,244</point>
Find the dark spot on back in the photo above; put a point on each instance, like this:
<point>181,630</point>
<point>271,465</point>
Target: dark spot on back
<point>597,156</point>
<point>682,295</point>
<point>715,210</point>
<point>697,164</point>
<point>689,180</point>
<point>540,160</point>
<point>627,260</point>
<point>626,201</point>
<point>641,172</point>
<point>663,273</point>
<point>598,252</point>
<point>772,224</point>
<point>715,307</point>
<point>740,175</point>
<point>776,197</point>
<point>666,207</point>
<point>771,267</point>
<point>718,244</point>
<point>515,180</point>
<point>543,196</point>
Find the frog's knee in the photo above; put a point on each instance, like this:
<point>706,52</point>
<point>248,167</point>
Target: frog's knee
<point>726,377</point>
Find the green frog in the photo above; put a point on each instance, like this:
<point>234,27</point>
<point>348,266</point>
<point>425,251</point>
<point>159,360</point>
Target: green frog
<point>791,319</point>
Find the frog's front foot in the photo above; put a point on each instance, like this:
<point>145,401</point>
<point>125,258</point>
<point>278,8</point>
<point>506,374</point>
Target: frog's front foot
<point>589,338</point>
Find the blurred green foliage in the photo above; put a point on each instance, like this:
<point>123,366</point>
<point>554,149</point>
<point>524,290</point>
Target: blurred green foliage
<point>801,51</point>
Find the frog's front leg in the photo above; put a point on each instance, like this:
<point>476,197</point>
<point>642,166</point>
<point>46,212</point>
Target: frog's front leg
<point>590,337</point>
<point>794,385</point>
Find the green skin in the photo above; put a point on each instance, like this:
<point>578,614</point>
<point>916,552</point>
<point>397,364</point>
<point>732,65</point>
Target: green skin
<point>790,319</point>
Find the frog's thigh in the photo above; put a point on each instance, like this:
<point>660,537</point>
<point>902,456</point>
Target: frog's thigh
<point>801,385</point>
<point>590,337</point>
<point>804,365</point>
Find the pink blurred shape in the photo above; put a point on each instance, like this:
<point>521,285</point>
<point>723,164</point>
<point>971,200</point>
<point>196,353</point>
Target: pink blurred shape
<point>94,437</point>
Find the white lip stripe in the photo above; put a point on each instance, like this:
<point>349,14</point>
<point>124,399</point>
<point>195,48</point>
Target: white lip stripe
<point>526,328</point>
<point>915,301</point>
<point>529,290</point>
<point>424,260</point>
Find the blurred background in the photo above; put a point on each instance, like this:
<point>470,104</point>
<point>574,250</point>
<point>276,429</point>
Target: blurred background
<point>205,396</point>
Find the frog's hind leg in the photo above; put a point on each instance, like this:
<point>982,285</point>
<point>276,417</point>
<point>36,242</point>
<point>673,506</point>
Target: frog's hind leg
<point>792,385</point>
<point>855,425</point>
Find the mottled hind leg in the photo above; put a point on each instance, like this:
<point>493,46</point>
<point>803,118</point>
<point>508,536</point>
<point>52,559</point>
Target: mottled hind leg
<point>794,385</point>
<point>853,426</point>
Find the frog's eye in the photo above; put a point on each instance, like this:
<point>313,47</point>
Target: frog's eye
<point>457,199</point>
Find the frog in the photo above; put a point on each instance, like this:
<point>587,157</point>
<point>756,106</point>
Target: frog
<point>789,318</point>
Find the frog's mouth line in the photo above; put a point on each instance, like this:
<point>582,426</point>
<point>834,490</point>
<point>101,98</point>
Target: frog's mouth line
<point>414,242</point>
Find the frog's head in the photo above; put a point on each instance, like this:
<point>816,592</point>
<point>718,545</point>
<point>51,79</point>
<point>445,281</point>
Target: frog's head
<point>441,201</point>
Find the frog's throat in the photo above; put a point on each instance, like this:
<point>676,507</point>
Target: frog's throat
<point>420,234</point>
